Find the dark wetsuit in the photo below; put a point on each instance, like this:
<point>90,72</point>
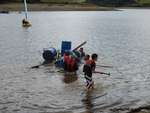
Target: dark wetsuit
<point>88,68</point>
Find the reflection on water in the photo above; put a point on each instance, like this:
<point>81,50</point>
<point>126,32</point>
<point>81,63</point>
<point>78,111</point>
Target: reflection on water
<point>121,39</point>
<point>88,102</point>
<point>70,77</point>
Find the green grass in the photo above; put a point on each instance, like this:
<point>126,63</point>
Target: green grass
<point>143,2</point>
<point>63,1</point>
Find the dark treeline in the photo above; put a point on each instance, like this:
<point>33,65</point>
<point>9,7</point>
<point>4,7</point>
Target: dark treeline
<point>112,2</point>
<point>97,2</point>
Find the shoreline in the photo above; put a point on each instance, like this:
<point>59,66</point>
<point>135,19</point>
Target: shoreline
<point>54,7</point>
<point>10,7</point>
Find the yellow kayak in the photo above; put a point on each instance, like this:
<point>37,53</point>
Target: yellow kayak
<point>26,25</point>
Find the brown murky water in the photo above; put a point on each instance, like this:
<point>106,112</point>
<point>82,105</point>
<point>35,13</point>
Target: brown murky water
<point>121,38</point>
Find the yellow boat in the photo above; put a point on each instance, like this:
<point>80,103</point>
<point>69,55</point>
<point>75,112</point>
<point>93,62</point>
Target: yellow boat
<point>27,24</point>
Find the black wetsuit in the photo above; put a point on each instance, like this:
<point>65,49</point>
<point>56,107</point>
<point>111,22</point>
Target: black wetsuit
<point>88,68</point>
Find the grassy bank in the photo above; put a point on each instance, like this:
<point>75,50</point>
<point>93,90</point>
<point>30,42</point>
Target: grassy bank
<point>109,3</point>
<point>143,3</point>
<point>62,1</point>
<point>53,7</point>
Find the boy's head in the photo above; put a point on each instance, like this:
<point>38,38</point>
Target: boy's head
<point>94,57</point>
<point>67,53</point>
<point>87,57</point>
<point>81,49</point>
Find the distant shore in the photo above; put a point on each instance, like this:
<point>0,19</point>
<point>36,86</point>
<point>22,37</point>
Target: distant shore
<point>54,7</point>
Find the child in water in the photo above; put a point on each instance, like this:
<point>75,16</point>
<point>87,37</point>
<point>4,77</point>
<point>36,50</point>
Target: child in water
<point>86,57</point>
<point>89,68</point>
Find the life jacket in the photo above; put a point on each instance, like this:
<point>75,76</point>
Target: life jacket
<point>93,65</point>
<point>73,65</point>
<point>90,63</point>
<point>66,58</point>
<point>66,61</point>
<point>70,64</point>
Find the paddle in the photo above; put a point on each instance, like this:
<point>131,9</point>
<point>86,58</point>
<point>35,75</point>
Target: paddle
<point>102,73</point>
<point>104,66</point>
<point>44,63</point>
<point>79,45</point>
<point>37,66</point>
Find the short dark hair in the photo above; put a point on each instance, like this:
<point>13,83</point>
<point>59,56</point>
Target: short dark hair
<point>94,56</point>
<point>87,55</point>
<point>67,53</point>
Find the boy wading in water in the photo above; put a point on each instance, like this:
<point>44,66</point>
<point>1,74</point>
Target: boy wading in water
<point>89,68</point>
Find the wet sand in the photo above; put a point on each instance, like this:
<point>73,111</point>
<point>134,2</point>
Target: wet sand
<point>53,7</point>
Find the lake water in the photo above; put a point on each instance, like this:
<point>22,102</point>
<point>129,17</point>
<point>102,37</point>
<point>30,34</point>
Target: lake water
<point>121,39</point>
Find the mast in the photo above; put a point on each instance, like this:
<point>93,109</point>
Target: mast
<point>26,10</point>
<point>25,22</point>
